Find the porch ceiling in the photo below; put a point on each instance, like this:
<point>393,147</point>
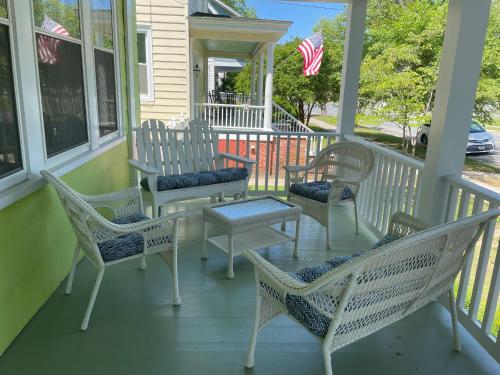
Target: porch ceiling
<point>238,37</point>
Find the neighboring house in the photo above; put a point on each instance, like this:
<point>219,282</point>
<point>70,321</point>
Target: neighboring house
<point>67,102</point>
<point>182,46</point>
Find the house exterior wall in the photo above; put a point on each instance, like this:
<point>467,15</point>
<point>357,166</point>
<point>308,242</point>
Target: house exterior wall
<point>170,40</point>
<point>36,241</point>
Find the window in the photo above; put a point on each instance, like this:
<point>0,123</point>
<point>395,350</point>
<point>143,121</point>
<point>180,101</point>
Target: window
<point>60,70</point>
<point>10,145</point>
<point>145,61</point>
<point>59,88</point>
<point>102,27</point>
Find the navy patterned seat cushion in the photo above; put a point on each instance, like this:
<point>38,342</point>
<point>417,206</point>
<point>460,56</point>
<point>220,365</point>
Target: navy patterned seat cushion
<point>301,310</point>
<point>318,190</point>
<point>187,180</point>
<point>126,245</point>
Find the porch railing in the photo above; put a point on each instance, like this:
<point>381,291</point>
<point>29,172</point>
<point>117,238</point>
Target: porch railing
<point>393,185</point>
<point>284,121</point>
<point>245,116</point>
<point>241,116</point>
<point>478,286</point>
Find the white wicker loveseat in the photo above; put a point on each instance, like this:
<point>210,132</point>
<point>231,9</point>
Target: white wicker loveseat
<point>127,235</point>
<point>368,292</point>
<point>333,177</point>
<point>177,165</point>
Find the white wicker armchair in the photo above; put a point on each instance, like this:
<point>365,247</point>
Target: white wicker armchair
<point>126,236</point>
<point>370,292</point>
<point>333,177</point>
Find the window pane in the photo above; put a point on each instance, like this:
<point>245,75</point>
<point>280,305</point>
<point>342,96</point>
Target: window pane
<point>63,101</point>
<point>143,80</point>
<point>106,92</point>
<point>141,47</point>
<point>3,8</point>
<point>102,24</point>
<point>58,16</point>
<point>10,148</point>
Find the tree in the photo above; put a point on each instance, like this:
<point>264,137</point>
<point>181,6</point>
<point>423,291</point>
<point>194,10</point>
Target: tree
<point>241,7</point>
<point>295,92</point>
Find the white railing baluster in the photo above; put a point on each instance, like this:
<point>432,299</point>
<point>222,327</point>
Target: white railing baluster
<point>493,297</point>
<point>482,266</point>
<point>268,163</point>
<point>463,285</point>
<point>277,167</point>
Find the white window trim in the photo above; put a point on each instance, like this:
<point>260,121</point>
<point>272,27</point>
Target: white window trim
<point>146,29</point>
<point>29,107</point>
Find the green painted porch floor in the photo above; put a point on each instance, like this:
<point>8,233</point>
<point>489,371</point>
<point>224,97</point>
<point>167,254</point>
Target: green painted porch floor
<point>135,329</point>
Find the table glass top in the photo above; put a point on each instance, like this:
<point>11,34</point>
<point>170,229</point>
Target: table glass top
<point>251,208</point>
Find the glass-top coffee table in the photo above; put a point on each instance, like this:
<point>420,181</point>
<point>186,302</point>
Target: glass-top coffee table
<point>246,225</point>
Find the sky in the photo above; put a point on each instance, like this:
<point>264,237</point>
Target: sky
<point>304,15</point>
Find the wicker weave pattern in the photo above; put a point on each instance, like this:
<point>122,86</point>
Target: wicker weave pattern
<point>378,288</point>
<point>92,229</point>
<point>344,165</point>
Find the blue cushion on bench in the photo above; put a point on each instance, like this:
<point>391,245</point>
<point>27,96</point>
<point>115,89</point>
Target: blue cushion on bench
<point>301,310</point>
<point>318,190</point>
<point>126,245</point>
<point>187,180</point>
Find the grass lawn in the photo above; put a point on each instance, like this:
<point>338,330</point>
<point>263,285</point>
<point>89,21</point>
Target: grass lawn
<point>361,119</point>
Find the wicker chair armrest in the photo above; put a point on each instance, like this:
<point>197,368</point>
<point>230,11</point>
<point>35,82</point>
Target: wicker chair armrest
<point>237,158</point>
<point>403,224</point>
<point>143,167</point>
<point>280,279</point>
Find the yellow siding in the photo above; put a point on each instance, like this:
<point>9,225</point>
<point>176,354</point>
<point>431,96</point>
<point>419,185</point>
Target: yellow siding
<point>167,19</point>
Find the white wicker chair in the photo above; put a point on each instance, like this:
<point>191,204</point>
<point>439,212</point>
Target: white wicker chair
<point>341,167</point>
<point>376,289</point>
<point>123,242</point>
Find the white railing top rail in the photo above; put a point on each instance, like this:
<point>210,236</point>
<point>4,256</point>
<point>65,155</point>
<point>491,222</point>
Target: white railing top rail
<point>387,151</point>
<point>244,106</point>
<point>264,132</point>
<point>477,190</point>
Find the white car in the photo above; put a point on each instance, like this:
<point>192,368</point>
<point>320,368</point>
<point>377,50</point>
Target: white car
<point>479,139</point>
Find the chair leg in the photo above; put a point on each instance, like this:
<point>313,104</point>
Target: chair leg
<point>86,318</point>
<point>356,215</point>
<point>143,264</point>
<point>328,229</point>
<point>328,362</point>
<point>221,197</point>
<point>69,284</point>
<point>177,297</point>
<point>453,308</point>
<point>249,363</point>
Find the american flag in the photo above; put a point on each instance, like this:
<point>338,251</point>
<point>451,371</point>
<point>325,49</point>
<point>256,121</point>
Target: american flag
<point>47,46</point>
<point>311,50</point>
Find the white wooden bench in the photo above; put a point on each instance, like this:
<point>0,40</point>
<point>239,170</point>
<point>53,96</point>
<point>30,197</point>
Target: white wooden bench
<point>167,152</point>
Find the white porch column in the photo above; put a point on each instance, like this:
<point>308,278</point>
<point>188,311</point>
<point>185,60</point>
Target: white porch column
<point>455,94</point>
<point>252,85</point>
<point>260,79</point>
<point>353,49</point>
<point>268,97</point>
